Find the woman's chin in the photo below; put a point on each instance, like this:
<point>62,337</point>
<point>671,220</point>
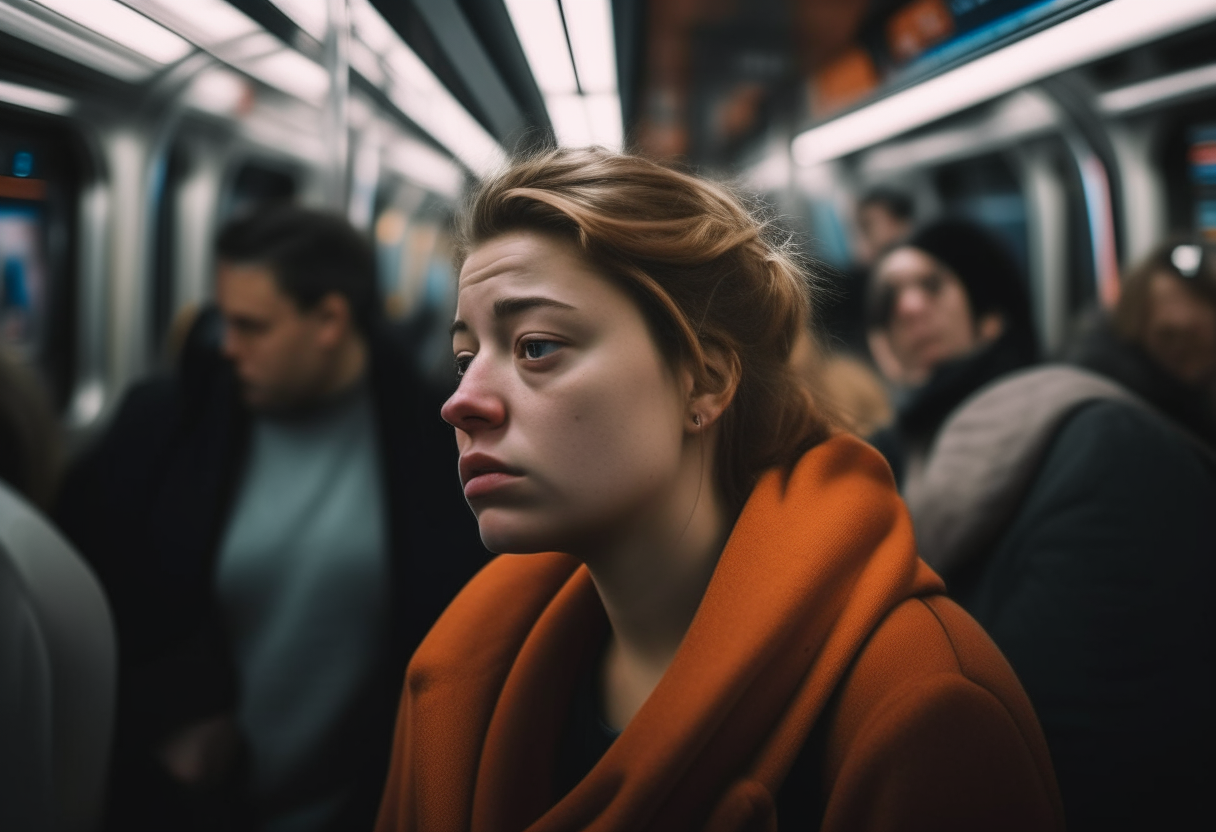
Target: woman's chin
<point>501,536</point>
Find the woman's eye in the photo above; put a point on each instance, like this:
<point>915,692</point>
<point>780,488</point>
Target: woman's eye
<point>539,349</point>
<point>462,363</point>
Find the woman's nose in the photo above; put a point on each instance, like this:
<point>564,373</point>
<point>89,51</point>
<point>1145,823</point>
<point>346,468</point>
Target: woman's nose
<point>911,300</point>
<point>474,406</point>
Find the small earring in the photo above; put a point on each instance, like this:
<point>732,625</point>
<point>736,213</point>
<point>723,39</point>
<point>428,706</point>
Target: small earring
<point>696,419</point>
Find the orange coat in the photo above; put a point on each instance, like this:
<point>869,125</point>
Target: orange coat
<point>818,591</point>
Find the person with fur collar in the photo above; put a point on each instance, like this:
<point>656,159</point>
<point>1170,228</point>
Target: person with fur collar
<point>1070,518</point>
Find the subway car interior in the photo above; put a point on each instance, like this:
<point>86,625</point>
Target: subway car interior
<point>1081,134</point>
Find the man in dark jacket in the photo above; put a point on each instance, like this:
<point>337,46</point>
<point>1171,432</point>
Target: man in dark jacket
<point>277,527</point>
<point>1073,522</point>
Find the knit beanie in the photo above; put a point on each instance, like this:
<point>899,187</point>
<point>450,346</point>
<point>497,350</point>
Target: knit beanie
<point>984,265</point>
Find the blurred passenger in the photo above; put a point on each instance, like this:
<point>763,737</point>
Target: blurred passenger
<point>277,527</point>
<point>1070,520</point>
<point>31,451</point>
<point>947,314</point>
<point>723,622</point>
<point>884,217</point>
<point>850,390</point>
<point>1161,343</point>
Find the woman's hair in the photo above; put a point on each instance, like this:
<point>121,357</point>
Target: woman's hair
<point>1135,304</point>
<point>706,271</point>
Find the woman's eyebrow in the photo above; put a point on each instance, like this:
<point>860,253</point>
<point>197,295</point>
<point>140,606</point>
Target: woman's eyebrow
<point>507,307</point>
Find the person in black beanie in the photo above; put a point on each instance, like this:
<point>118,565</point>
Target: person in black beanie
<point>1068,517</point>
<point>947,313</point>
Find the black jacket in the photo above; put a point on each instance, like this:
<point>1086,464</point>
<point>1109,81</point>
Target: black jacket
<point>1079,528</point>
<point>1099,594</point>
<point>148,505</point>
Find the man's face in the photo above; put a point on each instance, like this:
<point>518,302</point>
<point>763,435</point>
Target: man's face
<point>878,230</point>
<point>282,354</point>
<point>928,318</point>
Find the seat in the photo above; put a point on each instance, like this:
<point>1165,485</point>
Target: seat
<point>58,677</point>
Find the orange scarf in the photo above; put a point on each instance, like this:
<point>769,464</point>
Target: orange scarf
<point>814,564</point>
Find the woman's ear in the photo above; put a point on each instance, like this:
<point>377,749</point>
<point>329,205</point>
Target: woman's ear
<point>713,394</point>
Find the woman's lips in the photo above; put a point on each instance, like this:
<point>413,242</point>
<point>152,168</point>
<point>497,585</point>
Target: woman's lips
<point>483,484</point>
<point>482,473</point>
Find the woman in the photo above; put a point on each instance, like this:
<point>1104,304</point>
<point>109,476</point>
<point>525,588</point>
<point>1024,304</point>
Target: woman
<point>725,625</point>
<point>1161,341</point>
<point>947,314</point>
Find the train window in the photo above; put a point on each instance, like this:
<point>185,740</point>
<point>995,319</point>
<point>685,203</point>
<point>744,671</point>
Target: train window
<point>163,301</point>
<point>39,183</point>
<point>258,184</point>
<point>1187,154</point>
<point>1201,153</point>
<point>986,189</point>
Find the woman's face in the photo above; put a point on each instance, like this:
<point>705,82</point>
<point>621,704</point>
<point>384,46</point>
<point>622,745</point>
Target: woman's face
<point>1181,330</point>
<point>928,316</point>
<point>570,424</point>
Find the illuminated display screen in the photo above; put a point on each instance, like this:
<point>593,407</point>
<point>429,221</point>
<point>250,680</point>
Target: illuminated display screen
<point>1201,157</point>
<point>928,33</point>
<point>921,37</point>
<point>23,290</point>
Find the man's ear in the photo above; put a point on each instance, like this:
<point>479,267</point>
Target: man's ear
<point>333,314</point>
<point>712,395</point>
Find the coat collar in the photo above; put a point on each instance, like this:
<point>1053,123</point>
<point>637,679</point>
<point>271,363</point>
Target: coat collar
<point>817,558</point>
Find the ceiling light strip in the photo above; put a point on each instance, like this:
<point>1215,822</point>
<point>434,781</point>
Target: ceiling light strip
<point>584,108</point>
<point>1158,90</point>
<point>1112,27</point>
<point>421,96</point>
<point>32,99</point>
<point>123,26</point>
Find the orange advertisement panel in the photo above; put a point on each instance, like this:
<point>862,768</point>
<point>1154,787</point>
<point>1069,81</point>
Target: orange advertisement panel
<point>918,26</point>
<point>13,187</point>
<point>845,80</point>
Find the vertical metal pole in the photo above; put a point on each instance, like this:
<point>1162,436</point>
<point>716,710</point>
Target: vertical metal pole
<point>337,64</point>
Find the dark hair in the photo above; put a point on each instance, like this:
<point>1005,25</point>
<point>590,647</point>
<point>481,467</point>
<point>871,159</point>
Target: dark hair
<point>984,265</point>
<point>312,254</point>
<point>896,203</point>
<point>1132,312</point>
<point>705,271</point>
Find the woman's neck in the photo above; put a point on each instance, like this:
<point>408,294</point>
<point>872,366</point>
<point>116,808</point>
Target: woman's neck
<point>651,583</point>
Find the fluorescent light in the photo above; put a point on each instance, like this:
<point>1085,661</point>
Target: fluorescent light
<point>538,23</point>
<point>310,15</point>
<point>32,99</point>
<point>208,23</point>
<point>371,28</point>
<point>219,91</point>
<point>1158,90</point>
<point>415,90</point>
<point>366,62</point>
<point>291,72</point>
<point>604,117</point>
<point>128,28</point>
<point>570,122</point>
<point>1017,117</point>
<point>422,165</point>
<point>589,23</point>
<point>1112,27</point>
